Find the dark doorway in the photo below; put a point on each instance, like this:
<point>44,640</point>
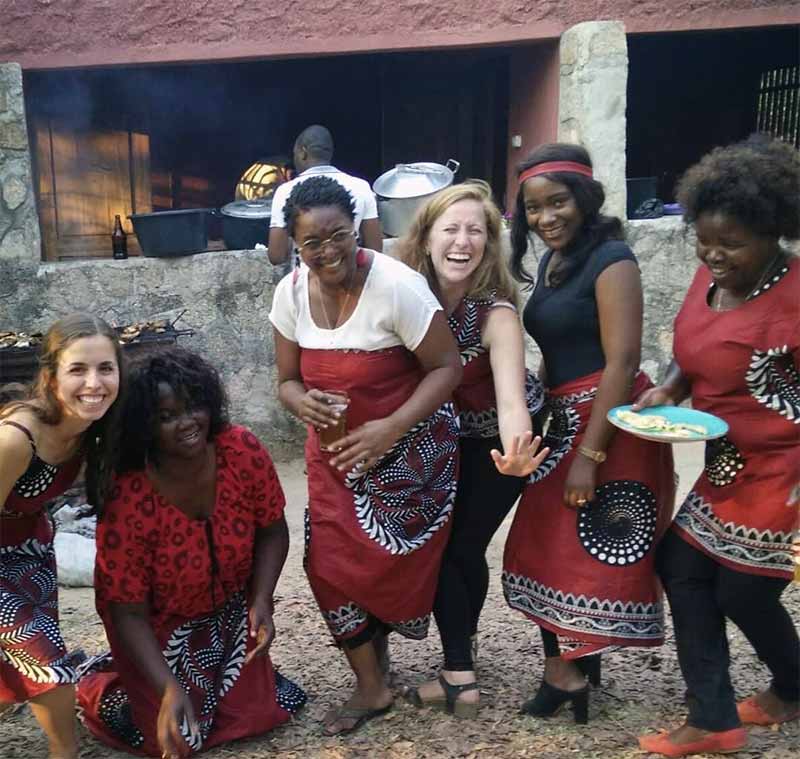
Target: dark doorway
<point>166,137</point>
<point>689,92</point>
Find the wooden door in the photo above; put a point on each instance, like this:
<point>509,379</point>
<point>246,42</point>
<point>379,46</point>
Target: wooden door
<point>85,177</point>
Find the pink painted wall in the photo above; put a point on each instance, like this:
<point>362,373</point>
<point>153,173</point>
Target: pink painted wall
<point>533,104</point>
<point>78,33</point>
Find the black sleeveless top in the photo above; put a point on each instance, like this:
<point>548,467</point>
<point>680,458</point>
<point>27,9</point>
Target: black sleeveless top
<point>563,320</point>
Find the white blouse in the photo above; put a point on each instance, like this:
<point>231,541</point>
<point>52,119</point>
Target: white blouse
<point>395,308</point>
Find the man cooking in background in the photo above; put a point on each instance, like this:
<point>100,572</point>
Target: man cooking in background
<point>313,152</point>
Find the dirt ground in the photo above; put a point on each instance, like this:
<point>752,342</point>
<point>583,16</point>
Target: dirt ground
<point>642,689</point>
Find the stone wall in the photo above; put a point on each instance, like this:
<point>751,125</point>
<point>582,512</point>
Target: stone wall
<point>227,297</point>
<point>592,101</point>
<point>19,224</point>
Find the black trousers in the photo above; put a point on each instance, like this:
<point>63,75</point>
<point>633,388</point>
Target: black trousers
<point>702,595</point>
<point>483,499</point>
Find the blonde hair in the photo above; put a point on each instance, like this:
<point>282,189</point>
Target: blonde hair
<point>492,274</point>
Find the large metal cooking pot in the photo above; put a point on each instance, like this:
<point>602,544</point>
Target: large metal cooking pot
<point>403,190</point>
<point>246,223</point>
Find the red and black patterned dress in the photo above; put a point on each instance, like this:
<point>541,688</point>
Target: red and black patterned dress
<point>33,658</point>
<point>194,574</point>
<point>474,397</point>
<point>588,574</point>
<point>744,366</point>
<point>374,540</point>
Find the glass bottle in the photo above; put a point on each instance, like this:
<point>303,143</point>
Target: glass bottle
<point>119,240</point>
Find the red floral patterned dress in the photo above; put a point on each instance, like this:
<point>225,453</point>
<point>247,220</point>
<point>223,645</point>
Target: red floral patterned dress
<point>194,573</point>
<point>33,658</point>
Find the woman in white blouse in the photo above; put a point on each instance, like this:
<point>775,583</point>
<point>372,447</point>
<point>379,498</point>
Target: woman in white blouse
<point>356,327</point>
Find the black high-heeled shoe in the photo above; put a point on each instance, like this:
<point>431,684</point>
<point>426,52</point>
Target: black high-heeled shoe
<point>549,700</point>
<point>591,669</point>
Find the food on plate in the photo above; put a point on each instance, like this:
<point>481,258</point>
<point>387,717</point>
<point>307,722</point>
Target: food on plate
<point>658,423</point>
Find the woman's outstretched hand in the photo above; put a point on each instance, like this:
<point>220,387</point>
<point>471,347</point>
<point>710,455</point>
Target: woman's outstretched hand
<point>522,457</point>
<point>175,707</point>
<point>655,396</point>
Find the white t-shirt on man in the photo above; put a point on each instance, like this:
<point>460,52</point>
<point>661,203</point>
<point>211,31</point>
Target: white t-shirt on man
<point>365,205</point>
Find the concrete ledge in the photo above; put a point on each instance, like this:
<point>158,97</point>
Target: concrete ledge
<point>227,297</point>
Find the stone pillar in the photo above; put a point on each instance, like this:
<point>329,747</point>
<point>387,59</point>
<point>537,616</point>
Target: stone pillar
<point>592,101</point>
<point>20,238</point>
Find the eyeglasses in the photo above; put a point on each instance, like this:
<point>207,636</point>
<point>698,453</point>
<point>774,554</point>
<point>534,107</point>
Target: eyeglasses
<point>314,246</point>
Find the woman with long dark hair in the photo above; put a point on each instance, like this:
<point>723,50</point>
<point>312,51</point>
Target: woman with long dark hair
<point>579,556</point>
<point>190,546</point>
<point>65,419</point>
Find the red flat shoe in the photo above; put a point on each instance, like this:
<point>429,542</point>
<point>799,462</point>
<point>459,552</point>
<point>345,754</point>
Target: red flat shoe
<point>725,742</point>
<point>750,713</point>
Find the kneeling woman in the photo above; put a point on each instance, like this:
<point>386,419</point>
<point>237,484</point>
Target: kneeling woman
<point>189,549</point>
<point>360,325</point>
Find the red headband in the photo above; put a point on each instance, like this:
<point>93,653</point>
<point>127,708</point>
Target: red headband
<point>552,167</point>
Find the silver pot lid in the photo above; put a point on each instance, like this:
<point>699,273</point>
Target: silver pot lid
<point>248,209</point>
<point>412,180</point>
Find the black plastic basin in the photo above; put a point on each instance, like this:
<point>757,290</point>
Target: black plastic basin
<point>172,233</point>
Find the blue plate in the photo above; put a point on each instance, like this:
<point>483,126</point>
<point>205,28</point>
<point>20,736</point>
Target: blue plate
<point>715,426</point>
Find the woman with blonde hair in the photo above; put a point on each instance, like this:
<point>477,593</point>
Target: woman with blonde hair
<point>66,419</point>
<point>455,243</point>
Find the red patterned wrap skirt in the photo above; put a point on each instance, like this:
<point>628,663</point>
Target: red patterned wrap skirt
<point>588,574</point>
<point>374,540</point>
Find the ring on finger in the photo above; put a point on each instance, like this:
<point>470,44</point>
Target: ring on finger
<point>580,501</point>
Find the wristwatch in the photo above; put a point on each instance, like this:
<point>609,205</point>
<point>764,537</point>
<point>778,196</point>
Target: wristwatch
<point>597,456</point>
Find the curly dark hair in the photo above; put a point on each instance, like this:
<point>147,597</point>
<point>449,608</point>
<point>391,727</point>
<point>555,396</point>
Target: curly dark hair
<point>191,378</point>
<point>317,192</point>
<point>757,182</point>
<point>589,197</point>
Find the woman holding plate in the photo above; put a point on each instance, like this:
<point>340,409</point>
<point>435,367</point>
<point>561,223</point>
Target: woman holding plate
<point>579,559</point>
<point>737,355</point>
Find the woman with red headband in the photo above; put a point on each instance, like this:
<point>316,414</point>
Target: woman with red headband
<point>579,557</point>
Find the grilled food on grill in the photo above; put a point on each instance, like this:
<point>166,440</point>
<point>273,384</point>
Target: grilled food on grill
<point>19,339</point>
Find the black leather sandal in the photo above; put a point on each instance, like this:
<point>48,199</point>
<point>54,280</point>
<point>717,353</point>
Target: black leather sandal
<point>449,701</point>
<point>549,700</point>
<point>591,669</point>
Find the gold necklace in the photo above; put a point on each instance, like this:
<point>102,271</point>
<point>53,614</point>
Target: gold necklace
<point>719,294</point>
<point>341,310</point>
